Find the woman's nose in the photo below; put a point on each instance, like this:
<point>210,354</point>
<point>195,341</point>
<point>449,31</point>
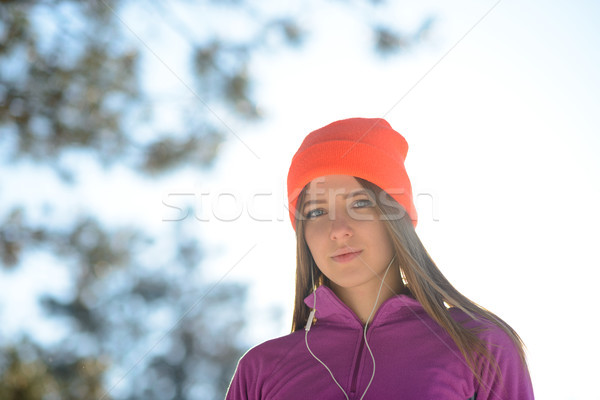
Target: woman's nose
<point>340,227</point>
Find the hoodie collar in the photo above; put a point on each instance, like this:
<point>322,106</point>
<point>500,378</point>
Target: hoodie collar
<point>330,308</point>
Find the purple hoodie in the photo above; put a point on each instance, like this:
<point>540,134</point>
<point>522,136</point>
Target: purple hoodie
<point>415,359</point>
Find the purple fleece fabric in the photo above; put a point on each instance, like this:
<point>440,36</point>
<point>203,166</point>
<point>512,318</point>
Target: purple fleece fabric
<point>415,359</point>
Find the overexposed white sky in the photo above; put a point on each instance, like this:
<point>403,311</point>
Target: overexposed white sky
<point>501,117</point>
<point>504,135</point>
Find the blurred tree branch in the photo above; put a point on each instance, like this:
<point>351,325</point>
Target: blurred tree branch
<point>71,81</point>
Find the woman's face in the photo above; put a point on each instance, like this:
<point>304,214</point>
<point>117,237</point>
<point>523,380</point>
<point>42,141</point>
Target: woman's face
<point>345,234</point>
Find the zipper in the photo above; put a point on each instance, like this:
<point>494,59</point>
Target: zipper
<point>358,363</point>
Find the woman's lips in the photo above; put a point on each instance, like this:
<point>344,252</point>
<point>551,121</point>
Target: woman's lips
<point>343,258</point>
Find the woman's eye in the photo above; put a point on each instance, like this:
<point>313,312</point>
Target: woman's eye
<point>317,212</point>
<point>363,203</point>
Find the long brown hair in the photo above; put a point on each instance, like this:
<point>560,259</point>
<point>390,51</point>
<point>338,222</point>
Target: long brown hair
<point>422,278</point>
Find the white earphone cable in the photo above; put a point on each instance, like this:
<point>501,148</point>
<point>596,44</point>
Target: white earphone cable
<point>367,324</point>
<point>307,328</point>
<point>310,320</point>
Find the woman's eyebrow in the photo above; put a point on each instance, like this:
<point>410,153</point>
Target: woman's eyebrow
<point>322,200</point>
<point>357,192</point>
<point>309,202</point>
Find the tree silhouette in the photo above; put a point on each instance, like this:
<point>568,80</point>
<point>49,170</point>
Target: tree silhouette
<point>141,320</point>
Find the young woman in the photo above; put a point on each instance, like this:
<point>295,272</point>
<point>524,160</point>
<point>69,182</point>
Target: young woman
<point>374,318</point>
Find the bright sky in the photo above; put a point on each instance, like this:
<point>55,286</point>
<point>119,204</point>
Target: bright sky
<point>501,116</point>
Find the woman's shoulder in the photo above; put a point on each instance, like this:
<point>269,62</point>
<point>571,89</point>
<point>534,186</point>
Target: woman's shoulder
<point>488,331</point>
<point>274,350</point>
<point>504,374</point>
<point>258,364</point>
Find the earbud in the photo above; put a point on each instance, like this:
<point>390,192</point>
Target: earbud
<point>309,322</point>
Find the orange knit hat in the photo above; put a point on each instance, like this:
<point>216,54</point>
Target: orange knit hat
<point>365,148</point>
